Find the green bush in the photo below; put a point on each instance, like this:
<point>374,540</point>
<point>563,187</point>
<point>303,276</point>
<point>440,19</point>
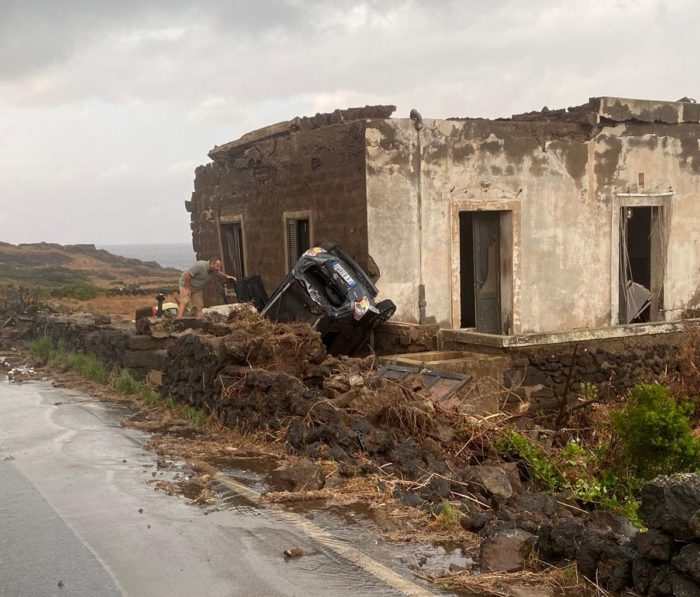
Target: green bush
<point>654,433</point>
<point>81,291</point>
<point>537,463</point>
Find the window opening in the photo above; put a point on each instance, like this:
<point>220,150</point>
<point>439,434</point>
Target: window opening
<point>232,245</point>
<point>297,239</point>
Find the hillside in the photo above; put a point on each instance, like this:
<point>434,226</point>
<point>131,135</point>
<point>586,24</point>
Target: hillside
<point>52,265</point>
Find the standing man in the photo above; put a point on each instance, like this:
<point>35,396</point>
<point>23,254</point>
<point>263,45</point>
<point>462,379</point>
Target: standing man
<point>193,280</point>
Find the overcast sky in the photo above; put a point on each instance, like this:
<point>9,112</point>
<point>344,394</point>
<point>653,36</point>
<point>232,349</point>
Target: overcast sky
<point>107,106</point>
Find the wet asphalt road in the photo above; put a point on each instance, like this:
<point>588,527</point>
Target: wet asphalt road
<point>77,517</point>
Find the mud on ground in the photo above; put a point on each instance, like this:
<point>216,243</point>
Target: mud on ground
<point>325,431</point>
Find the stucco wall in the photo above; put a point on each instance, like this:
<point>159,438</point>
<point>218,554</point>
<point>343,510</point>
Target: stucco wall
<point>319,170</point>
<point>392,216</point>
<point>561,179</point>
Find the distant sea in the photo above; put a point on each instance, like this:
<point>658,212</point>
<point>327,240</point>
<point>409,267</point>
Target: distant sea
<point>177,255</point>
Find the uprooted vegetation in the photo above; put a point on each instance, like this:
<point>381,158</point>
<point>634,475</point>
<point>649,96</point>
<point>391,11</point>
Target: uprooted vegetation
<point>510,476</point>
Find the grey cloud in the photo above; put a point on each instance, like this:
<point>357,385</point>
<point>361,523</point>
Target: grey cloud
<point>87,86</point>
<point>38,34</point>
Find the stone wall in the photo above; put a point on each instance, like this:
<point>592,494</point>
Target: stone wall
<point>536,373</point>
<point>115,344</point>
<point>315,173</point>
<point>540,373</point>
<point>398,338</point>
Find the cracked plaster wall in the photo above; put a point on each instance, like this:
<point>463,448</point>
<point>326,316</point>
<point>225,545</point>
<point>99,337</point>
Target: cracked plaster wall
<point>565,184</point>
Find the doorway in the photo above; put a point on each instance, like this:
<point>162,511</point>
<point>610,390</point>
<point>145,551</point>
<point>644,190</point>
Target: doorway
<point>480,243</point>
<point>642,259</point>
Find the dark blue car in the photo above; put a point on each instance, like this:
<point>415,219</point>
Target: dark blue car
<point>328,289</point>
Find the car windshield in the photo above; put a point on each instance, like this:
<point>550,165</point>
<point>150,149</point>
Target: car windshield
<point>325,285</point>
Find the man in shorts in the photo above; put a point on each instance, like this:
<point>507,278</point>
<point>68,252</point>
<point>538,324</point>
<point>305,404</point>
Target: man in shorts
<point>193,280</point>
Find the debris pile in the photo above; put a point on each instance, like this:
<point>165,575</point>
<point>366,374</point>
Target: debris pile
<point>256,374</point>
<point>259,374</point>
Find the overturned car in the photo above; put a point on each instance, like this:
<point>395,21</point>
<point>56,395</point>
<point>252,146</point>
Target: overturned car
<point>328,289</point>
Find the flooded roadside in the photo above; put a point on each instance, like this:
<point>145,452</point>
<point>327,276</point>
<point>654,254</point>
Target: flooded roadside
<point>90,433</point>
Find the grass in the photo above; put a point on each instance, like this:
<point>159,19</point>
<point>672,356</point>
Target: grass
<point>90,367</point>
<point>148,395</point>
<point>196,415</point>
<point>447,516</point>
<point>87,365</point>
<point>125,384</point>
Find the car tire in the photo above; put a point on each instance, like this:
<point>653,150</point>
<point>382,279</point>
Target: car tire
<point>386,309</point>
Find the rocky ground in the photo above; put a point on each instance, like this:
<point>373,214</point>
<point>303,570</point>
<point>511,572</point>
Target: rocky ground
<point>340,433</point>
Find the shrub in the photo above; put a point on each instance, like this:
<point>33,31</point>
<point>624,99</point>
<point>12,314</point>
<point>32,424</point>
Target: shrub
<point>80,291</point>
<point>537,463</point>
<point>654,433</point>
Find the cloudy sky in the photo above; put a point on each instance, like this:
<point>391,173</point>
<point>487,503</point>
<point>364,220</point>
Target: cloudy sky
<point>107,106</point>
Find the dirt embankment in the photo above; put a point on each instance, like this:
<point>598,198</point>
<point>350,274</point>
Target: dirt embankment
<point>249,371</point>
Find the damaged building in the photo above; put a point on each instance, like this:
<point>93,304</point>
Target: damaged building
<point>557,223</point>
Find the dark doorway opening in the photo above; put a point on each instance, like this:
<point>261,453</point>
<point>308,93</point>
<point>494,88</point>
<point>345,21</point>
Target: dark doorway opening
<point>466,270</point>
<point>641,264</point>
<point>480,270</point>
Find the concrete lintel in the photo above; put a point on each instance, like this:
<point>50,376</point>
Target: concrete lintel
<point>469,337</point>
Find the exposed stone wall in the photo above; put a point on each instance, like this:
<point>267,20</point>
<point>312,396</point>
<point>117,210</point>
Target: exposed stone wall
<point>399,338</point>
<point>321,171</point>
<point>541,372</point>
<point>117,345</point>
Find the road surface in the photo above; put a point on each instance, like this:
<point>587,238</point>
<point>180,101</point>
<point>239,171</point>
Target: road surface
<point>78,517</point>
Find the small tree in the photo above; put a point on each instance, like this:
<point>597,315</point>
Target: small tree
<point>654,433</point>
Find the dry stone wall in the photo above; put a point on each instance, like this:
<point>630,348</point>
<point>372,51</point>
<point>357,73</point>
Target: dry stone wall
<point>544,373</point>
<point>116,344</point>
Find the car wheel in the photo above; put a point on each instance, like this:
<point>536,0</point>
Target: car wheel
<point>386,309</point>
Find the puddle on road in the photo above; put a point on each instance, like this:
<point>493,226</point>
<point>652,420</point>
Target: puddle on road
<point>253,472</point>
<point>438,560</point>
<point>356,523</point>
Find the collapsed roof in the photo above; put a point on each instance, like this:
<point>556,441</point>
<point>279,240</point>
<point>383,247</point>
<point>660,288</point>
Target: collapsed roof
<point>598,111</point>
